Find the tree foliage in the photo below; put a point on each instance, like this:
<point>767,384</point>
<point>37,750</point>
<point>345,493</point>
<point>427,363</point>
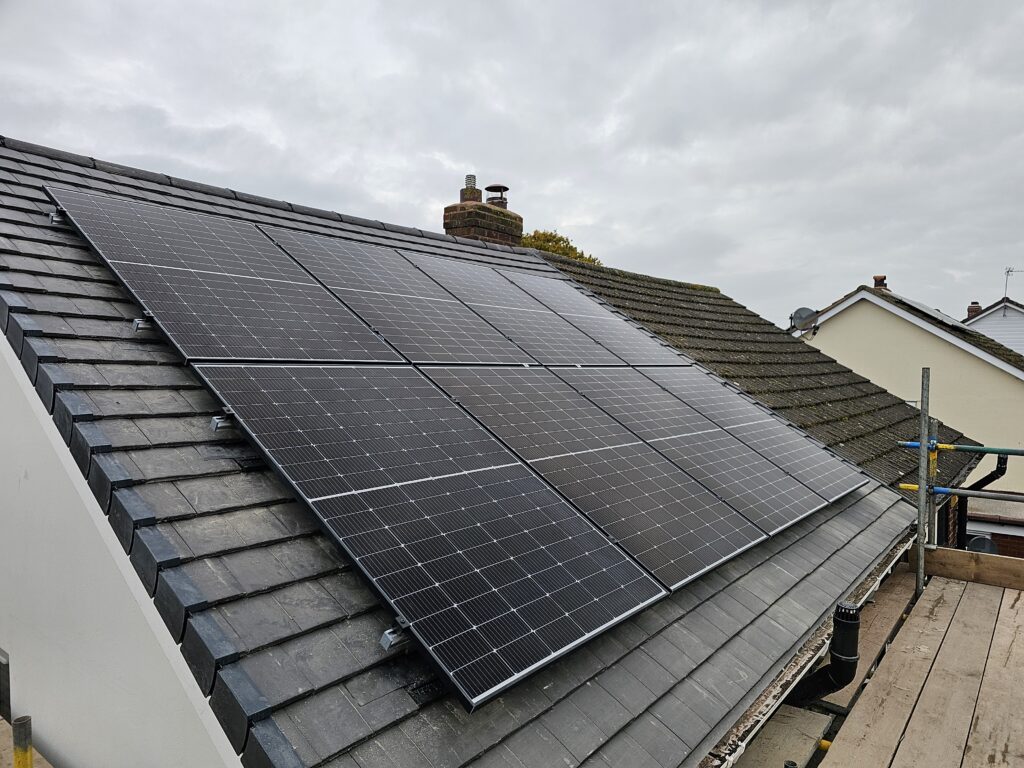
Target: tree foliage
<point>552,242</point>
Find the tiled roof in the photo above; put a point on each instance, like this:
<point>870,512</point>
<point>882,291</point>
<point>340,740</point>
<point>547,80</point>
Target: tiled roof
<point>857,419</point>
<point>278,627</point>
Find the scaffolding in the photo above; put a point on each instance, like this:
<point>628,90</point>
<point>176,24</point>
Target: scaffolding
<point>928,447</point>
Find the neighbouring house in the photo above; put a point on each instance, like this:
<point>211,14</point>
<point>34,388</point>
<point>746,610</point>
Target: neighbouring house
<point>169,600</point>
<point>977,382</point>
<point>1003,321</point>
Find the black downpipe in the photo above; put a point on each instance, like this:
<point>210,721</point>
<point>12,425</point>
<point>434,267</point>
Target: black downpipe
<point>961,506</point>
<point>961,522</point>
<point>842,662</point>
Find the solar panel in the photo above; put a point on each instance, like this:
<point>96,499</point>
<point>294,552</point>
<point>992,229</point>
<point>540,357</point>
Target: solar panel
<point>757,427</point>
<point>647,408</point>
<point>547,337</point>
<point>533,412</point>
<point>708,395</point>
<point>751,484</point>
<point>610,329</point>
<point>659,514</point>
<point>415,314</point>
<point>494,573</point>
<point>809,463</point>
<point>735,472</point>
<point>218,287</point>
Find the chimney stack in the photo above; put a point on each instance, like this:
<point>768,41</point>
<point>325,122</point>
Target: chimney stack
<point>973,309</point>
<point>880,282</point>
<point>491,222</point>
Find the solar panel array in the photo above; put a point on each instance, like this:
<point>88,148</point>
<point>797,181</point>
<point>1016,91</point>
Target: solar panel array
<point>514,465</point>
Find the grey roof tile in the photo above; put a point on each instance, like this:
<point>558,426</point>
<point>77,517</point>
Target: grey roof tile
<point>658,740</point>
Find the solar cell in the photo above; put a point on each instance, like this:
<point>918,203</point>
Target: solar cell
<point>548,338</point>
<point>658,513</point>
<point>610,329</point>
<point>218,287</point>
<point>495,574</point>
<point>415,314</point>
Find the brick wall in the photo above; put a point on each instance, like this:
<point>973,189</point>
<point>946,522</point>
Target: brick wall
<point>1010,546</point>
<point>480,221</point>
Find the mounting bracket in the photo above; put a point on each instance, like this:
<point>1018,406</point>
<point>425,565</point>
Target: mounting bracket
<point>396,636</point>
<point>226,421</point>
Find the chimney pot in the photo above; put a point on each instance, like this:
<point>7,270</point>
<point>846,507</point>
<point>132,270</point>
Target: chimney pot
<point>973,309</point>
<point>470,193</point>
<point>880,282</point>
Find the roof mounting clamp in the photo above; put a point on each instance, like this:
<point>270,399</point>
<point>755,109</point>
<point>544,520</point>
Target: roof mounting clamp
<point>141,324</point>
<point>394,638</point>
<point>57,217</point>
<point>217,423</point>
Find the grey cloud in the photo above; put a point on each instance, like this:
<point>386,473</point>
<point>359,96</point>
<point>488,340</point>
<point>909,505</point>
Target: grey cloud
<point>781,151</point>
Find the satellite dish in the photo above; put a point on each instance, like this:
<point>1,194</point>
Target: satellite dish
<point>982,544</point>
<point>803,319</point>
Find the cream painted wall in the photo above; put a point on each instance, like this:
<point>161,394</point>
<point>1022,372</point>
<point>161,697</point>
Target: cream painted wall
<point>90,659</point>
<point>969,394</point>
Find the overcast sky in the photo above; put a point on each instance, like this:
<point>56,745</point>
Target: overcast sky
<point>784,152</point>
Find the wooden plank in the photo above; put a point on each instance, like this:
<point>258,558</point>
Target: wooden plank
<point>878,619</point>
<point>937,732</point>
<point>790,734</point>
<point>996,737</point>
<point>980,567</point>
<point>872,730</point>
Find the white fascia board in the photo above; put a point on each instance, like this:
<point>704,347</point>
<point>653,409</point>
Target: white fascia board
<point>924,325</point>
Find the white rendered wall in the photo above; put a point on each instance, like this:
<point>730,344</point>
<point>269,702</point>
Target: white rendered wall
<point>90,659</point>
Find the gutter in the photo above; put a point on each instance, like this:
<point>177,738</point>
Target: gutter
<point>731,747</point>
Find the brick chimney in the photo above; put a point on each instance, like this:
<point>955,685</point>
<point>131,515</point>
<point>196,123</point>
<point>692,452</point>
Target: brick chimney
<point>491,222</point>
<point>880,282</point>
<point>973,309</point>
